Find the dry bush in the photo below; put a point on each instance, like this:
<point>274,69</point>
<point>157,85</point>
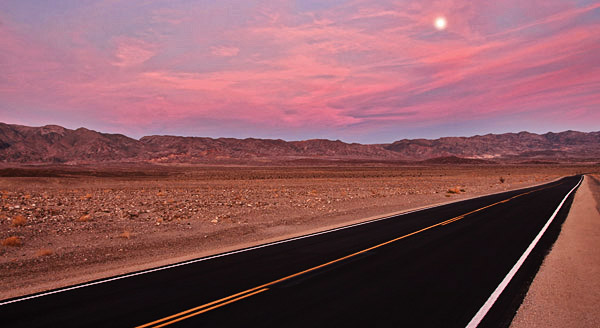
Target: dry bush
<point>44,252</point>
<point>126,234</point>
<point>12,241</point>
<point>84,218</point>
<point>19,221</point>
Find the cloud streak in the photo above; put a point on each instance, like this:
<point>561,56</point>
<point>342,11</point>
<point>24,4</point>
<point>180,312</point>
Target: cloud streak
<point>370,71</point>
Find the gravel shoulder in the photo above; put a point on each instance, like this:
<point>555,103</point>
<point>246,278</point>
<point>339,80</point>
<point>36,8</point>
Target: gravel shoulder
<point>566,290</point>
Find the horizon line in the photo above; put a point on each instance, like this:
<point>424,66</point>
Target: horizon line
<point>286,140</point>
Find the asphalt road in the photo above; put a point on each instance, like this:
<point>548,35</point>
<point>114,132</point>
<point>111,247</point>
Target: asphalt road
<point>431,268</point>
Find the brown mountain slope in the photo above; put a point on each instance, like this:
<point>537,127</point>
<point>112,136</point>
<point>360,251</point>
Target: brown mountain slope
<point>55,144</point>
<point>568,144</point>
<point>192,149</point>
<point>52,143</point>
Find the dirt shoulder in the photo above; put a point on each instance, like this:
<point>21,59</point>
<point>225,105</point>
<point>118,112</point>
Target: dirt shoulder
<point>566,289</point>
<point>67,228</point>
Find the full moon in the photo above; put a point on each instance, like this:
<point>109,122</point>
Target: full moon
<point>440,23</point>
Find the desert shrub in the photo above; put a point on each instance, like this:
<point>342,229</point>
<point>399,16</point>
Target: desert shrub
<point>19,220</point>
<point>12,241</point>
<point>44,252</point>
<point>84,218</point>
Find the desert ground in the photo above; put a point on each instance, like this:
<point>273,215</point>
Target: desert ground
<point>66,225</point>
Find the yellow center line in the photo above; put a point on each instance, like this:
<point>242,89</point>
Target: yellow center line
<point>211,308</point>
<point>295,274</point>
<point>259,289</point>
<point>197,308</point>
<point>453,220</point>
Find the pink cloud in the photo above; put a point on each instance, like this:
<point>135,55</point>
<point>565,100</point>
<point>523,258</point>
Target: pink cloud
<point>224,51</point>
<point>131,51</point>
<point>356,66</point>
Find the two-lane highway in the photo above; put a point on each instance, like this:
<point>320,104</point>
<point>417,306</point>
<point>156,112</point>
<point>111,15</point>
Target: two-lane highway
<point>447,266</point>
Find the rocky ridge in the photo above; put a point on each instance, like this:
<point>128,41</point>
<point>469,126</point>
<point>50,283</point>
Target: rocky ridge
<point>56,144</point>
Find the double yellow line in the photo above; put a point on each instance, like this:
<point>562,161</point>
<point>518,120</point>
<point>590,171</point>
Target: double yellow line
<point>262,288</point>
<point>203,308</point>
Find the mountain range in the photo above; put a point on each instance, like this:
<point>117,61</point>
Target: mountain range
<point>56,144</point>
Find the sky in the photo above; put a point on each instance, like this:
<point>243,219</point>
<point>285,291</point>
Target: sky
<point>369,71</point>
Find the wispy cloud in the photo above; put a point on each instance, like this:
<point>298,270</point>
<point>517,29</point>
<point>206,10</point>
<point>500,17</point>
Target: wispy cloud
<point>363,70</point>
<point>225,51</point>
<point>131,51</point>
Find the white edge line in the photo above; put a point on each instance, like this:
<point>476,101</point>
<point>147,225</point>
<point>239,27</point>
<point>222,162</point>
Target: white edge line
<point>129,275</point>
<point>492,299</point>
<point>210,257</point>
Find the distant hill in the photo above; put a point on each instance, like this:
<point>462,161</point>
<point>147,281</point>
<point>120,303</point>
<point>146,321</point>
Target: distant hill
<point>191,149</point>
<point>523,145</point>
<point>456,160</point>
<point>55,144</point>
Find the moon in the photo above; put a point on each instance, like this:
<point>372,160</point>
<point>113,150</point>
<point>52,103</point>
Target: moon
<point>440,23</point>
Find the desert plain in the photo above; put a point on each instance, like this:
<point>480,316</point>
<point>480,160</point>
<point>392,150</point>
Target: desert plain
<point>61,225</point>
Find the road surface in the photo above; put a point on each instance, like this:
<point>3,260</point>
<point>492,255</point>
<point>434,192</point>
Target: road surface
<point>462,264</point>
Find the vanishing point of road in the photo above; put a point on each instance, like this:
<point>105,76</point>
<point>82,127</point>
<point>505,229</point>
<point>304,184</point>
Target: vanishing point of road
<point>464,264</point>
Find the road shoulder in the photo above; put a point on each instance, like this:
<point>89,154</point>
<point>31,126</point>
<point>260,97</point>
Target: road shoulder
<point>565,291</point>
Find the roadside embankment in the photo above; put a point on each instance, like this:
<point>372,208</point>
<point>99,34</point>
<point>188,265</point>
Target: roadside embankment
<point>566,289</point>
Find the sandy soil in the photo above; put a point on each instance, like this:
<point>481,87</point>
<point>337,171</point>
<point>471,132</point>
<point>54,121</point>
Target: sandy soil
<point>566,290</point>
<point>57,231</point>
